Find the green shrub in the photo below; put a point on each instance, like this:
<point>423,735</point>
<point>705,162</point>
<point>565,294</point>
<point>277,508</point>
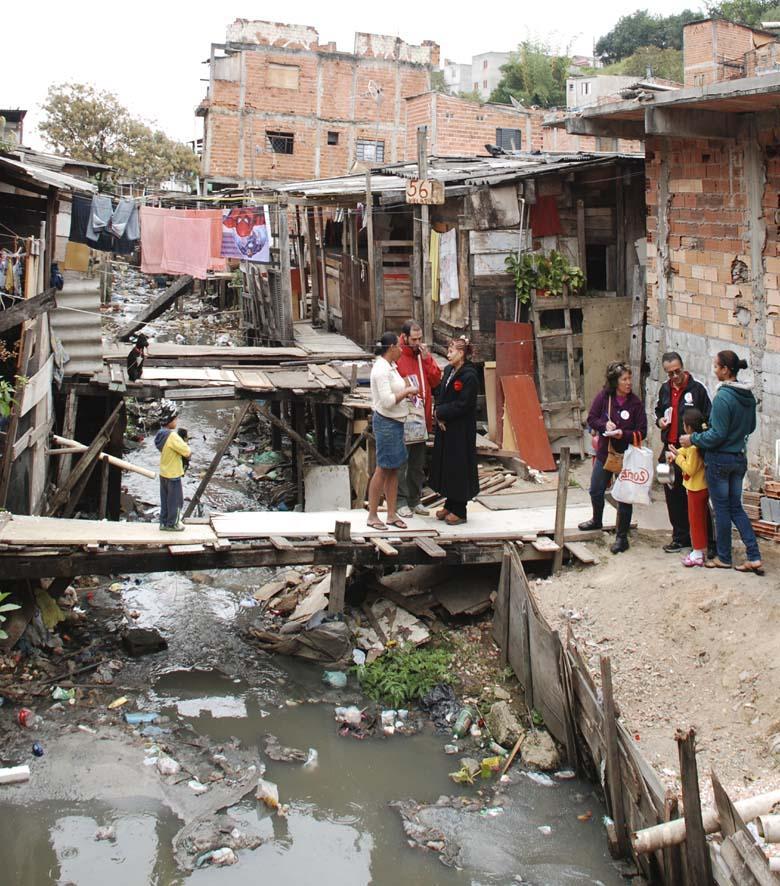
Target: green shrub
<point>401,676</point>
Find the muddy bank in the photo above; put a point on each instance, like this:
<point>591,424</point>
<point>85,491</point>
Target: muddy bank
<point>689,647</point>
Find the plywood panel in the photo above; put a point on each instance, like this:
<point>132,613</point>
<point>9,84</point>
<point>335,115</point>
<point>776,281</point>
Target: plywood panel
<point>55,531</point>
<point>606,336</point>
<point>527,422</point>
<point>514,356</point>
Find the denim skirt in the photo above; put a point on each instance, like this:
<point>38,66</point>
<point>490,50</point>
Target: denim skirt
<point>389,437</point>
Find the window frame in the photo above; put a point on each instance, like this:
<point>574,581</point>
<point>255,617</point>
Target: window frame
<point>278,141</point>
<point>377,144</point>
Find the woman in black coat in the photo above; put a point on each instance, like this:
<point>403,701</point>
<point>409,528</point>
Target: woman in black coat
<point>454,465</point>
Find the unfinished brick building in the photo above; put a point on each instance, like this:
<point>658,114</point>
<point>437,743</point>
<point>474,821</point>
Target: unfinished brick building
<point>460,127</point>
<point>713,225</point>
<point>282,106</point>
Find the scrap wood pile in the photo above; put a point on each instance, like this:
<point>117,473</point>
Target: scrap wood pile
<point>289,614</point>
<point>493,478</point>
<point>764,510</point>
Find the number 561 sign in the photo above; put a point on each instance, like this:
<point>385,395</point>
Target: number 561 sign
<point>424,191</point>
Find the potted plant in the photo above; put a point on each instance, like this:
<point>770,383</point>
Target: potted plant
<point>548,274</point>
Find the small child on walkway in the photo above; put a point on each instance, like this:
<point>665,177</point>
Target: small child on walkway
<point>691,463</point>
<point>173,451</point>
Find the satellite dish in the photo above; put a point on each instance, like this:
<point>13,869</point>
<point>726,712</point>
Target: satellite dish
<point>374,90</point>
<point>518,106</point>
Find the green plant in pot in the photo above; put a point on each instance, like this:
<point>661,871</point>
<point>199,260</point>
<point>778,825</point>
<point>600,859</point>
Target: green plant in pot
<point>548,274</point>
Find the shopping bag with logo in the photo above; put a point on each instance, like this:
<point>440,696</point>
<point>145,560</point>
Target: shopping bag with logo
<point>633,483</point>
<point>415,429</point>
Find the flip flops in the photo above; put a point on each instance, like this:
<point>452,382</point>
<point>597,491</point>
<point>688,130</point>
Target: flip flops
<point>398,523</point>
<point>747,566</point>
<point>716,563</point>
<point>377,524</point>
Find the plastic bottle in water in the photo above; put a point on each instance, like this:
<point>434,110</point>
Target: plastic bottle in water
<point>463,723</point>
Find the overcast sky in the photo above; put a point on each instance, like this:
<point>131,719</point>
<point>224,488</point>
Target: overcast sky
<point>149,52</point>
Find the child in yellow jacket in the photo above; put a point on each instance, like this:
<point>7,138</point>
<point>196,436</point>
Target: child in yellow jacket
<point>691,463</point>
<point>173,451</point>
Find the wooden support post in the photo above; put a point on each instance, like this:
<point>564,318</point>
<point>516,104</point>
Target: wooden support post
<point>320,426</point>
<point>322,267</point>
<point>329,430</point>
<point>276,433</point>
<point>25,350</point>
<point>68,494</point>
<point>672,854</point>
<point>68,430</point>
<point>286,330</point>
<point>355,446</point>
<point>238,418</point>
<point>376,311</point>
<point>581,248</point>
<point>338,574</point>
<point>501,616</point>
<point>614,780</point>
<point>314,277</point>
<point>560,506</point>
<point>697,853</point>
<point>105,467</point>
<point>620,233</point>
<point>422,172</point>
<point>299,420</point>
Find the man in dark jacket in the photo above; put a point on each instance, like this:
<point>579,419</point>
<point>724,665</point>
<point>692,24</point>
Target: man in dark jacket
<point>680,392</point>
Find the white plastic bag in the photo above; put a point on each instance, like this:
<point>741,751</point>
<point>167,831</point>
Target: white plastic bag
<point>633,483</point>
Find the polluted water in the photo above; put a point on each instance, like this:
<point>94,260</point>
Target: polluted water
<point>94,813</point>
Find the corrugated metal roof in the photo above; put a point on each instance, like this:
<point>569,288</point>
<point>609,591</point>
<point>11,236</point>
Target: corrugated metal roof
<point>47,176</point>
<point>473,171</point>
<point>76,321</point>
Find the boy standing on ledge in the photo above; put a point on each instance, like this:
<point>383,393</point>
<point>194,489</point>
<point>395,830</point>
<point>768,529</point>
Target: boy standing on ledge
<point>172,452</point>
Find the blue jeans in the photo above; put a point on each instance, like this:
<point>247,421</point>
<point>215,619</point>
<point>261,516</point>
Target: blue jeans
<point>725,472</point>
<point>599,481</point>
<point>171,500</point>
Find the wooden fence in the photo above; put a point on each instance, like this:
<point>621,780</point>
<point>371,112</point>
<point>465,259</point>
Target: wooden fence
<point>558,684</point>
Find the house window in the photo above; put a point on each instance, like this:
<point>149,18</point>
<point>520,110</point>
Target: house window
<point>476,86</point>
<point>485,64</point>
<point>484,84</point>
<point>283,76</point>
<point>280,142</point>
<point>698,79</point>
<point>333,138</point>
<point>585,87</point>
<point>370,151</point>
<point>571,87</point>
<point>509,139</point>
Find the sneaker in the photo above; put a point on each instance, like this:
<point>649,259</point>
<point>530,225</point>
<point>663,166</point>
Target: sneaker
<point>405,511</point>
<point>421,510</point>
<point>689,560</point>
<point>673,547</point>
<point>179,527</point>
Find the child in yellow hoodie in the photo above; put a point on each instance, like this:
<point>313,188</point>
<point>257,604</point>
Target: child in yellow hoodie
<point>691,463</point>
<point>173,450</point>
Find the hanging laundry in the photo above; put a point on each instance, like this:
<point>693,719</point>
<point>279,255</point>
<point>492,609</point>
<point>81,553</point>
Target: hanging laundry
<point>80,213</point>
<point>124,220</point>
<point>448,267</point>
<point>433,258</point>
<point>76,257</point>
<point>545,221</point>
<point>181,241</point>
<point>99,217</point>
<point>245,235</point>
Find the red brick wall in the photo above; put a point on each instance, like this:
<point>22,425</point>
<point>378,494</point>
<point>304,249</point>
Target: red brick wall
<point>335,93</point>
<point>463,127</point>
<point>707,44</point>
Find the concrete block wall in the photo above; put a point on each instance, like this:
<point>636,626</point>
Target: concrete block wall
<point>713,262</point>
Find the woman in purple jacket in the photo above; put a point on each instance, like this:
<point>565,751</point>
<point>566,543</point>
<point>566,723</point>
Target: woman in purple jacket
<point>616,414</point>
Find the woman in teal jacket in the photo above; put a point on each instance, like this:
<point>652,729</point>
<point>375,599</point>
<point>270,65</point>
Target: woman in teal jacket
<point>732,421</point>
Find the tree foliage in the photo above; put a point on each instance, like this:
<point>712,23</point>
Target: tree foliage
<point>664,63</point>
<point>640,29</point>
<point>534,76</point>
<point>89,124</point>
<point>745,12</point>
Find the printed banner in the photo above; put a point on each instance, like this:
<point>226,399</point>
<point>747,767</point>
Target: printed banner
<point>245,235</point>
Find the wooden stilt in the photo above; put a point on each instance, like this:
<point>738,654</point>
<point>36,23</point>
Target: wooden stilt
<point>238,418</point>
<point>338,574</point>
<point>68,430</point>
<point>614,780</point>
<point>672,855</point>
<point>68,494</point>
<point>560,506</point>
<point>697,854</point>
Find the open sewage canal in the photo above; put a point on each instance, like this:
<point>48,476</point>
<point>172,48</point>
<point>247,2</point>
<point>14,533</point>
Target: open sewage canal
<point>214,690</point>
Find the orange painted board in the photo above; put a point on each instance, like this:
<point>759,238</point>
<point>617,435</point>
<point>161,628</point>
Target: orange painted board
<point>523,412</point>
<point>514,356</point>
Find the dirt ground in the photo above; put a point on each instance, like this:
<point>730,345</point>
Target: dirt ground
<point>689,647</point>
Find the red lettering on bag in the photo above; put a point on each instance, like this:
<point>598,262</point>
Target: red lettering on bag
<point>639,477</point>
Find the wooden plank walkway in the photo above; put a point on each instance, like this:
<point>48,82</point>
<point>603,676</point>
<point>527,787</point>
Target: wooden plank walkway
<point>38,547</point>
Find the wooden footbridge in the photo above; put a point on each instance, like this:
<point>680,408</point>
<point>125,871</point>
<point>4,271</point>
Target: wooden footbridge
<point>45,547</point>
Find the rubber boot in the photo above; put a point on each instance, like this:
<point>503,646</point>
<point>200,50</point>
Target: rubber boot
<point>595,520</point>
<point>621,532</point>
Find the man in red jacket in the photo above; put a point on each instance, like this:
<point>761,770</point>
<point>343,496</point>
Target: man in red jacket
<point>415,360</point>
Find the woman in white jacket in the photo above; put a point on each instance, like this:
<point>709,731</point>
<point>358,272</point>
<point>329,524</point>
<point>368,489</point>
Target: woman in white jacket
<point>388,393</point>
